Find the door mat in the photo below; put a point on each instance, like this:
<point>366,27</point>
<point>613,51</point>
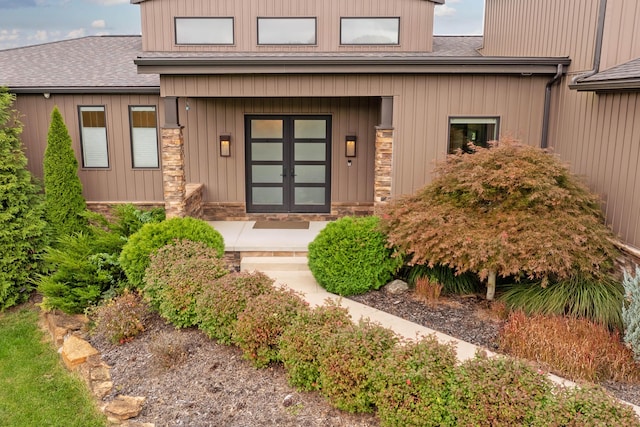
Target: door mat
<point>281,225</point>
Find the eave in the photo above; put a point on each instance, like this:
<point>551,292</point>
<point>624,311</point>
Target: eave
<point>348,65</point>
<point>71,90</point>
<point>605,86</point>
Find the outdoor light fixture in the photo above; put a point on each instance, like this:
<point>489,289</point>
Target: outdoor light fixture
<point>350,146</point>
<point>225,145</point>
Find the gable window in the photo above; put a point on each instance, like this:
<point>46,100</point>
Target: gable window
<point>93,137</point>
<point>204,31</point>
<point>385,31</point>
<point>144,136</point>
<point>287,31</point>
<point>464,131</point>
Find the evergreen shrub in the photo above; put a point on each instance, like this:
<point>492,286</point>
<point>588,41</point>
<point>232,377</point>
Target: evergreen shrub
<point>22,229</point>
<point>631,311</point>
<point>303,341</point>
<point>219,305</point>
<point>350,256</point>
<point>64,202</point>
<point>263,321</point>
<point>176,277</point>
<point>134,258</point>
<point>348,362</point>
<point>129,219</point>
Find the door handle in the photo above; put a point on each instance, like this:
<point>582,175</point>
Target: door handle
<point>293,172</point>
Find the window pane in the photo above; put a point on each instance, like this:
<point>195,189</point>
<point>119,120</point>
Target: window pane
<point>310,195</point>
<point>267,195</point>
<point>310,151</point>
<point>478,131</point>
<point>266,151</point>
<point>308,129</point>
<point>204,30</point>
<point>310,174</point>
<point>286,31</point>
<point>144,137</point>
<point>267,174</point>
<point>266,129</point>
<point>93,134</point>
<point>370,31</point>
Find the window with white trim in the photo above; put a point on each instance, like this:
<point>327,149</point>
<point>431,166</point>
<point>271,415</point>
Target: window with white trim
<point>376,31</point>
<point>204,31</point>
<point>144,136</point>
<point>285,31</point>
<point>466,131</point>
<point>93,137</point>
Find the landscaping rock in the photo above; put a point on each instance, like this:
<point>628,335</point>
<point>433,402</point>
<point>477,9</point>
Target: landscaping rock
<point>396,287</point>
<point>76,351</point>
<point>124,407</point>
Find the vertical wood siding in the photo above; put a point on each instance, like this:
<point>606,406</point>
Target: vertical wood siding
<point>120,182</point>
<point>622,33</point>
<point>416,22</point>
<point>223,177</point>
<point>599,136</point>
<point>542,28</point>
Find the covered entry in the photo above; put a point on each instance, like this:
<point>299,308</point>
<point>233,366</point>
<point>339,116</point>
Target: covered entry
<point>288,164</point>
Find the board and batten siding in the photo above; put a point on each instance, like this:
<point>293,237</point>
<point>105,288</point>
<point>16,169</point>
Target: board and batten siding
<point>118,183</point>
<point>422,107</point>
<point>599,136</point>
<point>621,38</point>
<point>416,22</point>
<point>542,28</point>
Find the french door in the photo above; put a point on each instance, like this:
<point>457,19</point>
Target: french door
<point>288,163</point>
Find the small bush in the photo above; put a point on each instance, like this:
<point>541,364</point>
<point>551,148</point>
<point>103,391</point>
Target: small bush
<point>573,348</point>
<point>498,392</point>
<point>120,319</point>
<point>152,236</point>
<point>168,350</point>
<point>263,321</point>
<point>219,305</point>
<point>303,340</point>
<point>350,256</point>
<point>348,361</point>
<point>414,382</point>
<point>129,219</point>
<point>452,283</point>
<point>177,276</point>
<point>428,290</point>
<point>577,296</point>
<point>631,311</point>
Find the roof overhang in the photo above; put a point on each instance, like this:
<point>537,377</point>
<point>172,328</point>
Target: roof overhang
<point>70,90</point>
<point>604,86</point>
<point>185,65</point>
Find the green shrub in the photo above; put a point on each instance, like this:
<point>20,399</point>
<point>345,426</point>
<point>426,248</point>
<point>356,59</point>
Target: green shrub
<point>120,319</point>
<point>176,277</point>
<point>129,219</point>
<point>22,229</point>
<point>152,236</point>
<point>461,284</point>
<point>350,256</point>
<point>348,361</point>
<point>414,384</point>
<point>303,340</point>
<point>219,305</point>
<point>597,300</point>
<point>263,321</point>
<point>64,202</point>
<point>631,311</point>
<point>498,392</point>
<point>83,270</point>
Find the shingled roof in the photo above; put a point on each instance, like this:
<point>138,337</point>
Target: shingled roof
<point>88,64</point>
<point>619,78</point>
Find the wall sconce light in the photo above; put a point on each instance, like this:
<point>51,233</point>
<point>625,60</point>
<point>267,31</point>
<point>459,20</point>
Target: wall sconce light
<point>350,146</point>
<point>225,145</point>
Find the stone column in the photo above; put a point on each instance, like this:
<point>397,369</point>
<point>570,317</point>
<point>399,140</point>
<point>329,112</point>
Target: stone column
<point>174,180</point>
<point>383,165</point>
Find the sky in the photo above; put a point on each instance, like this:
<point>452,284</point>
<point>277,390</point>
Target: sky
<point>29,22</point>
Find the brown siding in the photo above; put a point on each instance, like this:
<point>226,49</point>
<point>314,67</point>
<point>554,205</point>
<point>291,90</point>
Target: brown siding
<point>416,24</point>
<point>118,183</point>
<point>542,28</point>
<point>422,106</point>
<point>621,41</point>
<point>599,136</point>
<point>223,177</point>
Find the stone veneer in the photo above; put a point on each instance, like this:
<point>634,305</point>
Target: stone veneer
<point>174,180</point>
<point>193,200</point>
<point>383,165</point>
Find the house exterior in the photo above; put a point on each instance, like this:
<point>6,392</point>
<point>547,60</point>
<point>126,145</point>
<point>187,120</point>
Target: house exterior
<point>239,109</point>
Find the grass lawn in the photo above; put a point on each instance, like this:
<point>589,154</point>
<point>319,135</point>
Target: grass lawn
<point>35,388</point>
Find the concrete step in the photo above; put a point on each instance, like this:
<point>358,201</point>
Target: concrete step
<point>280,263</point>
